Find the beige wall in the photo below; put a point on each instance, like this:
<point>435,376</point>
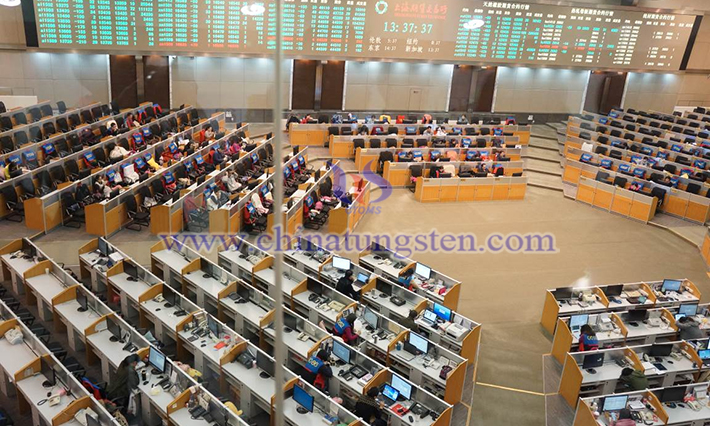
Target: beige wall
<point>661,92</point>
<point>70,77</point>
<point>210,82</point>
<point>389,86</point>
<point>540,90</point>
<point>12,31</point>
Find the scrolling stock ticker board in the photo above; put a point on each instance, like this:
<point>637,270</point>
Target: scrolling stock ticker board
<point>438,30</point>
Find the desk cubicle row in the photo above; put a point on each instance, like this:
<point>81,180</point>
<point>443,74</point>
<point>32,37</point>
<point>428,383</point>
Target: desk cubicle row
<point>567,301</point>
<point>107,216</point>
<point>29,372</point>
<point>346,146</point>
<point>320,134</point>
<point>40,109</point>
<point>242,316</point>
<point>686,129</point>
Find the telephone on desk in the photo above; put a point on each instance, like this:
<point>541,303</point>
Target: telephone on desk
<point>397,301</point>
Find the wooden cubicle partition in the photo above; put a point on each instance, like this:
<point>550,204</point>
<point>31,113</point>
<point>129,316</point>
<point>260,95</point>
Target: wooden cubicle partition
<point>584,415</point>
<point>562,341</point>
<point>705,249</point>
<point>618,200</point>
<point>342,220</point>
<point>470,189</point>
<point>67,415</point>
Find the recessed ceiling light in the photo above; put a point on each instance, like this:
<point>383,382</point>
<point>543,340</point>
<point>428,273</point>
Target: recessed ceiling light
<point>253,9</point>
<point>474,24</point>
<point>10,3</point>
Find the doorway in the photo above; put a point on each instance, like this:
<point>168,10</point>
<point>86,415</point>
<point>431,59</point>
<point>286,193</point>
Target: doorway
<point>604,91</point>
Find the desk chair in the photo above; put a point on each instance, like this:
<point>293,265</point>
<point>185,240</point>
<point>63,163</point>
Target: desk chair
<point>58,175</point>
<point>384,156</point>
<point>100,155</point>
<point>375,143</point>
<point>137,218</point>
<point>602,177</point>
<point>5,123</point>
<point>392,130</point>
<point>601,150</point>
<point>391,142</point>
<point>86,116</point>
<point>421,143</point>
<point>158,190</point>
<point>46,110</point>
<point>585,126</point>
<point>14,204</point>
<point>407,143</point>
<point>19,118</point>
<point>46,183</point>
<point>35,114</point>
<point>620,181</point>
<point>682,160</point>
<point>6,144</point>
<point>693,188</point>
<point>3,108</point>
<point>358,143</point>
<point>194,117</point>
<point>659,193</point>
<point>35,134</point>
<point>616,154</point>
<point>74,215</point>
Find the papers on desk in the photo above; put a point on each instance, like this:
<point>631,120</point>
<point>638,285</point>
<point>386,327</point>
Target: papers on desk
<point>649,369</point>
<point>636,405</point>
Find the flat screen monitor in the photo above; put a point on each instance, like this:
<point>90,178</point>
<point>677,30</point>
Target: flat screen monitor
<point>244,292</point>
<point>402,386</point>
<point>637,315</point>
<point>49,373</point>
<point>430,315</point>
<point>593,361</point>
<point>390,392</point>
<point>661,350</point>
<point>219,417</point>
<point>422,270</point>
<point>615,403</point>
<point>371,318</point>
<point>341,263</point>
<point>131,270</point>
<point>671,285</point>
<point>614,290</point>
<point>290,321</point>
<point>577,321</point>
<point>704,354</point>
<point>675,394</point>
<point>92,421</point>
<point>362,277</point>
<point>82,300</point>
<point>103,247</point>
<point>156,359</point>
<point>214,327</point>
<point>341,351</point>
<point>688,309</point>
<point>442,312</point>
<point>562,293</point>
<point>303,398</point>
<point>418,342</point>
<point>169,295</point>
<point>265,363</point>
<point>113,328</point>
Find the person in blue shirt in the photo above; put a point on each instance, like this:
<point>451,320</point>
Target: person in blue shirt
<point>317,371</point>
<point>344,327</point>
<point>588,339</point>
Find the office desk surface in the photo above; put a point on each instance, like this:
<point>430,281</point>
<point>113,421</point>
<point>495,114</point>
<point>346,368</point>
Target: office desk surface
<point>171,259</point>
<point>209,352</point>
<point>164,315</point>
<point>161,400</point>
<point>382,344</point>
<point>626,305</point>
<point>643,330</point>
<point>90,257</point>
<point>263,388</point>
<point>674,365</point>
<point>234,257</point>
<point>385,302</point>
<point>405,417</point>
<point>250,311</point>
<point>292,342</point>
<point>352,383</point>
<point>291,414</point>
<point>113,351</point>
<point>14,357</point>
<point>602,336</point>
<point>133,289</point>
<point>298,256</point>
<point>608,371</point>
<point>18,264</point>
<point>303,299</point>
<point>78,320</point>
<point>269,275</point>
<point>46,286</point>
<point>381,265</point>
<point>33,390</point>
<point>567,309</point>
<point>418,364</point>
<point>182,417</point>
<point>208,285</point>
<point>682,415</point>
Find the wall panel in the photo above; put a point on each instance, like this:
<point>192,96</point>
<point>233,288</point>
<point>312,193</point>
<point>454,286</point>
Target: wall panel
<point>540,90</point>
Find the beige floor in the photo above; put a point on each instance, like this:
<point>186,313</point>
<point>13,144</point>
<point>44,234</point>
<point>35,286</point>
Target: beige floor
<point>502,291</point>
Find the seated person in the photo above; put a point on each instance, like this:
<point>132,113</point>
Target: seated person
<point>345,285</point>
<point>405,279</point>
<point>117,153</point>
<point>317,371</point>
<point>689,329</point>
<point>370,409</point>
<point>633,380</point>
<point>151,162</point>
<point>409,321</point>
<point>112,128</point>
<point>426,119</point>
<point>462,120</point>
<point>440,131</point>
<point>230,181</point>
<point>344,329</point>
<point>208,132</point>
<point>625,419</point>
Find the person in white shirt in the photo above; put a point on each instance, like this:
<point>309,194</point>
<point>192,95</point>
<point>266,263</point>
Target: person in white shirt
<point>440,132</point>
<point>118,152</point>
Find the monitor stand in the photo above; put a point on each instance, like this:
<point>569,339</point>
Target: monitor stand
<point>264,375</point>
<point>287,330</point>
<point>168,305</point>
<point>301,410</point>
<point>591,371</point>
<point>81,309</point>
<point>113,339</point>
<point>131,279</point>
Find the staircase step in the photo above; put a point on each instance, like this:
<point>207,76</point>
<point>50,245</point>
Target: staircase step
<point>543,166</point>
<point>544,180</point>
<point>543,154</point>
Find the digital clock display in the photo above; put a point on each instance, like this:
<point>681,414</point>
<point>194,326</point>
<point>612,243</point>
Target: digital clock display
<point>444,30</point>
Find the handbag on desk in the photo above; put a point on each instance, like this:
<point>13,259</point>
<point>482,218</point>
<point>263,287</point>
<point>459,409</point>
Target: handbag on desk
<point>444,373</point>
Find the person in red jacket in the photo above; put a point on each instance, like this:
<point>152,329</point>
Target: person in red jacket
<point>344,329</point>
<point>624,419</point>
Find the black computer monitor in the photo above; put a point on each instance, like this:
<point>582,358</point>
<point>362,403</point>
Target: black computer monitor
<point>219,417</point>
<point>214,327</point>
<point>688,309</point>
<point>615,403</point>
<point>341,263</point>
<point>244,292</point>
<point>402,386</point>
<point>418,342</point>
<point>265,363</point>
<point>422,270</point>
<point>671,285</point>
<point>114,329</point>
<point>131,270</point>
<point>341,351</point>
<point>564,293</point>
<point>169,296</point>
<point>614,290</point>
<point>636,315</point>
<point>303,399</point>
<point>103,247</point>
<point>290,322</point>
<point>157,360</point>
<point>92,421</point>
<point>49,374</point>
<point>674,394</point>
<point>371,318</point>
<point>82,300</point>
<point>593,361</point>
<point>661,350</point>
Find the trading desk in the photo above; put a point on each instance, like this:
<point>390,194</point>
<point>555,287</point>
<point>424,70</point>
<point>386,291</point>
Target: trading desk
<point>470,189</point>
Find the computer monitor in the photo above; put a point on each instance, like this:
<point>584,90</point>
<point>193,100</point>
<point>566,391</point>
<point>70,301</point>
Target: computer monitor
<point>290,322</point>
<point>564,293</point>
<point>614,290</point>
<point>390,392</point>
<point>688,309</point>
<point>671,285</point>
<point>422,270</point>
<point>169,296</point>
<point>219,417</point>
<point>82,300</point>
<point>362,277</point>
<point>577,321</point>
<point>156,359</point>
<point>131,270</point>
<point>615,403</point>
<point>214,327</point>
<point>430,315</point>
<point>103,247</point>
<point>371,318</point>
<point>114,329</point>
<point>341,351</point>
<point>92,421</point>
<point>265,363</point>
<point>418,342</point>
<point>661,350</point>
<point>593,360</point>
<point>675,394</point>
<point>49,374</point>
<point>402,386</point>
<point>244,292</point>
<point>341,263</point>
<point>637,314</point>
<point>303,398</point>
<point>704,354</point>
<point>442,312</point>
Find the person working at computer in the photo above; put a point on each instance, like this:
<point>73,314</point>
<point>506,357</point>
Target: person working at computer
<point>124,381</point>
<point>370,409</point>
<point>345,285</point>
<point>405,280</point>
<point>588,339</point>
<point>633,380</point>
<point>344,329</point>
<point>689,329</point>
<point>624,419</point>
<point>317,371</point>
<point>409,321</point>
